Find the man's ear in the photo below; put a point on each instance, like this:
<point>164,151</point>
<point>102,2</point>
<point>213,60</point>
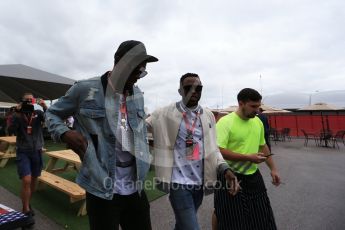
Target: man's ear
<point>180,92</point>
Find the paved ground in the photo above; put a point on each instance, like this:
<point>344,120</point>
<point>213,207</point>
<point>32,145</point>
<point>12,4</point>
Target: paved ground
<point>311,198</point>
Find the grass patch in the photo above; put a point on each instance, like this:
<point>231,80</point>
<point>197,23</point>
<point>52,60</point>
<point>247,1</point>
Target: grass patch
<point>53,203</point>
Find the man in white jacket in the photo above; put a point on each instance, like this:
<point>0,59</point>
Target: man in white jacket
<point>186,155</point>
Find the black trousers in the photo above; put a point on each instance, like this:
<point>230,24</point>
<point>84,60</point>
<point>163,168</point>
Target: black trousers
<point>131,212</point>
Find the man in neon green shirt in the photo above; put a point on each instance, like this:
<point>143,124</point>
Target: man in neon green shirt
<point>240,137</point>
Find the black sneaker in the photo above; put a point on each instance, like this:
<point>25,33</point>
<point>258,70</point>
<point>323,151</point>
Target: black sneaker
<point>31,210</point>
<point>30,220</point>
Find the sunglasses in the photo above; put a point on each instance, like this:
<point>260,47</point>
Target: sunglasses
<point>188,88</point>
<point>142,72</point>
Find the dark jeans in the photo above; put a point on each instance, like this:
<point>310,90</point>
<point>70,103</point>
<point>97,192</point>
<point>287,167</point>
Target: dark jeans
<point>131,212</point>
<point>185,201</point>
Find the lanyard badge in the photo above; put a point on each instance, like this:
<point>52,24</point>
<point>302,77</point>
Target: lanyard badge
<point>29,127</point>
<point>192,148</point>
<point>189,139</point>
<point>126,133</point>
<point>123,110</point>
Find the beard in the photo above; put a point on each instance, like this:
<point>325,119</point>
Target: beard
<point>248,115</point>
<point>251,115</point>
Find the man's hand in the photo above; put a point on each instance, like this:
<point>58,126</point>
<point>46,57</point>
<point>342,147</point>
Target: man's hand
<point>275,177</point>
<point>257,158</point>
<point>19,107</point>
<point>42,103</point>
<point>76,142</point>
<point>232,181</point>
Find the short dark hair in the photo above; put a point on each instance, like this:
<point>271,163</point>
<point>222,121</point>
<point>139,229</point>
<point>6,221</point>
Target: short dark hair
<point>184,76</point>
<point>27,93</point>
<point>248,94</point>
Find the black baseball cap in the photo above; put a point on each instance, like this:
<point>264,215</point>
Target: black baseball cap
<point>135,49</point>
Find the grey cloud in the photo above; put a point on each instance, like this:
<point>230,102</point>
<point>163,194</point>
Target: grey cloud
<point>294,45</point>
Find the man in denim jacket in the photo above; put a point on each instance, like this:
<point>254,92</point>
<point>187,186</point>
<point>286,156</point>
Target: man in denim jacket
<point>110,139</point>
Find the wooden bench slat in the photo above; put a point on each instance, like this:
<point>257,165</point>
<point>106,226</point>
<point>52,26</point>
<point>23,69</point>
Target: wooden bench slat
<point>66,186</point>
<point>6,155</point>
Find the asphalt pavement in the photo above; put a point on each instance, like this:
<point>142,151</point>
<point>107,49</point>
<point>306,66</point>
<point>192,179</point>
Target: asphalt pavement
<point>312,196</point>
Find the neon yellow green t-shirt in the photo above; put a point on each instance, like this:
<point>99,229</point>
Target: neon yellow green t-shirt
<point>240,136</point>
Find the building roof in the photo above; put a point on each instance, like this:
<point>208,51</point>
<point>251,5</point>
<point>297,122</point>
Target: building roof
<point>27,72</point>
<point>15,80</point>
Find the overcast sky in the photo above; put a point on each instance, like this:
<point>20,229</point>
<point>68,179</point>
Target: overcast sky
<point>295,45</point>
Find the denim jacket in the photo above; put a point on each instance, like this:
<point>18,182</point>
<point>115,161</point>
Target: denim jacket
<point>95,117</point>
<point>34,141</point>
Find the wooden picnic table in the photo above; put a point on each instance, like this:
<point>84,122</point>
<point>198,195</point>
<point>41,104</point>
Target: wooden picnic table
<point>10,152</point>
<point>67,155</point>
<point>49,176</point>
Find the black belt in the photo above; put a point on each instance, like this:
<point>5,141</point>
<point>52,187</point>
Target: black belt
<point>125,164</point>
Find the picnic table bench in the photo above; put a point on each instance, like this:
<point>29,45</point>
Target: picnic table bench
<point>49,176</point>
<point>10,151</point>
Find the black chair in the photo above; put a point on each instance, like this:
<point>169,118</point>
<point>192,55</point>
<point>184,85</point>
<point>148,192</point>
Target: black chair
<point>309,136</point>
<point>340,135</point>
<point>286,134</point>
<point>325,137</point>
<point>274,135</point>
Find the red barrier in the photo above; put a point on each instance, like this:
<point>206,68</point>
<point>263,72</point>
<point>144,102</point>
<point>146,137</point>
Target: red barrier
<point>310,123</point>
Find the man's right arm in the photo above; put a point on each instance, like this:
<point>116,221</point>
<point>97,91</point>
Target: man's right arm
<point>255,157</point>
<point>56,114</point>
<point>66,106</point>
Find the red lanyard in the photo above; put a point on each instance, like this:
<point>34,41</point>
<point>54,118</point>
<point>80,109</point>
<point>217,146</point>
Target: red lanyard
<point>123,107</point>
<point>123,111</point>
<point>190,130</point>
<point>27,120</point>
